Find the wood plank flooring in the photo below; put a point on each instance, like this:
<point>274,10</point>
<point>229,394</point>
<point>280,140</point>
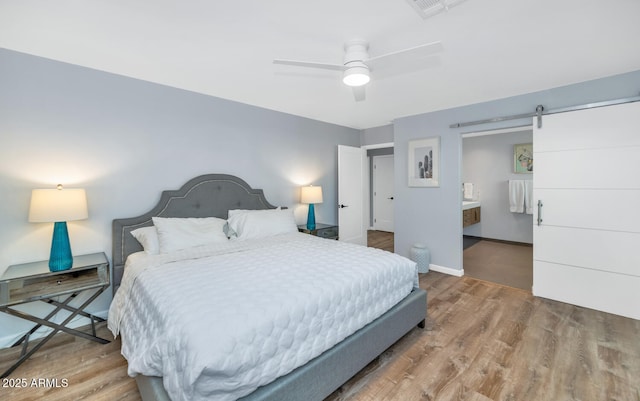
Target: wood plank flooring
<point>92,371</point>
<point>380,239</point>
<point>483,342</point>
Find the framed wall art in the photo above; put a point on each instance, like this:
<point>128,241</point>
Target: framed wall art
<point>424,162</point>
<point>523,158</point>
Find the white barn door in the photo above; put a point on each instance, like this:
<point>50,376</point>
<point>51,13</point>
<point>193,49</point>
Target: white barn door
<point>587,208</point>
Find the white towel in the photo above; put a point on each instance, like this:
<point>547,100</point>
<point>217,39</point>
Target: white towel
<point>468,191</point>
<point>516,196</point>
<point>528,196</point>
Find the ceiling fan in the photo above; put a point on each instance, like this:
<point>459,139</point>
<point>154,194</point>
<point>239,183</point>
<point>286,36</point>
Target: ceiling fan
<point>357,64</point>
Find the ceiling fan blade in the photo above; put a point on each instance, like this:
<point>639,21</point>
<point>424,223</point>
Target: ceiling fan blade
<point>311,64</point>
<point>359,93</point>
<point>419,51</point>
<point>392,68</point>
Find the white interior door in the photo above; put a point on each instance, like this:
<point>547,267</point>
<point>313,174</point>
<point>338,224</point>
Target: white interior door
<point>351,194</point>
<point>383,193</point>
<point>587,229</point>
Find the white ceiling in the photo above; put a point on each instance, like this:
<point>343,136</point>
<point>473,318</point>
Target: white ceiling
<point>224,48</point>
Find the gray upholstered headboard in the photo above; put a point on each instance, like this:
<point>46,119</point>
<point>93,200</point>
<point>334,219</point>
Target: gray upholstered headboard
<point>210,195</point>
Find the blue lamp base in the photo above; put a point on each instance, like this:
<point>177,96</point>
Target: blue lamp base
<point>60,257</point>
<point>311,218</point>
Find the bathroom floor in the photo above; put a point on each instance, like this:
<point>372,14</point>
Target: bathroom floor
<point>503,263</point>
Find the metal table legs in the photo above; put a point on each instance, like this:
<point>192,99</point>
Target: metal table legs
<point>24,340</point>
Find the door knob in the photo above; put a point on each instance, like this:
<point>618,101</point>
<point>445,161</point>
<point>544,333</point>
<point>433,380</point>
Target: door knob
<point>341,206</point>
<point>390,198</point>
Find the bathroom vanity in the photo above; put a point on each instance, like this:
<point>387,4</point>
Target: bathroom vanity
<point>470,213</point>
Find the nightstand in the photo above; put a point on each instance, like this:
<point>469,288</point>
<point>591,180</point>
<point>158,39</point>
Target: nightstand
<point>328,231</point>
<point>31,282</point>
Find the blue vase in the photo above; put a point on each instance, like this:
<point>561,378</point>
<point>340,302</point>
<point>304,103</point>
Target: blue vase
<point>60,257</point>
<point>311,218</point>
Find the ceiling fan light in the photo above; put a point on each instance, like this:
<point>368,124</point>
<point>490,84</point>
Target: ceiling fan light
<point>356,76</point>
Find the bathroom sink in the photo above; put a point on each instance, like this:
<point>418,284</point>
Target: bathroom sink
<point>470,204</point>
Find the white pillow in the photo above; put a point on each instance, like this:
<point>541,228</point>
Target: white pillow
<point>227,228</point>
<point>262,223</point>
<point>234,212</point>
<point>148,238</point>
<point>176,233</point>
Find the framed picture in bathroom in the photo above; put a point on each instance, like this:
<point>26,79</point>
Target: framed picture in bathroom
<point>523,158</point>
<point>424,162</point>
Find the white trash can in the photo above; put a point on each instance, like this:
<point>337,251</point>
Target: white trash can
<point>421,255</point>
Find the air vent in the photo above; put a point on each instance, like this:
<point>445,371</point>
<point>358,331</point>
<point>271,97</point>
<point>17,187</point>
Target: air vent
<point>429,8</point>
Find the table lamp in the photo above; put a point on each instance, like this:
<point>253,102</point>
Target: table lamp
<point>58,206</point>
<point>311,195</point>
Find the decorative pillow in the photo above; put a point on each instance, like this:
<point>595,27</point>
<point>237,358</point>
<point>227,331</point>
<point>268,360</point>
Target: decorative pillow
<point>176,233</point>
<point>262,223</point>
<point>228,231</point>
<point>148,238</point>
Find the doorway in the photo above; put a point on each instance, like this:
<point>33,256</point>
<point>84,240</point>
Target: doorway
<point>381,212</point>
<point>497,243</point>
<point>382,193</point>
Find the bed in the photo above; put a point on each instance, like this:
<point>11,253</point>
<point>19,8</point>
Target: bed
<point>317,376</point>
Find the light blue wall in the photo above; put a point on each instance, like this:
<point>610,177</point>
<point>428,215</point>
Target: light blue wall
<point>487,162</point>
<point>377,135</point>
<point>432,215</point>
<point>126,140</point>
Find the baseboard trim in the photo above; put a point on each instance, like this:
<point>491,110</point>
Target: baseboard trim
<point>447,270</point>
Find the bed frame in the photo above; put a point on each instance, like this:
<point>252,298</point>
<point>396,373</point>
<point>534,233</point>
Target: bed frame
<point>213,195</point>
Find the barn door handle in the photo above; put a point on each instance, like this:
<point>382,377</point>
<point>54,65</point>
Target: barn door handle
<point>539,212</point>
<point>341,206</point>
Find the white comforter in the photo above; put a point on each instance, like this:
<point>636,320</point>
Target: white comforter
<point>217,322</point>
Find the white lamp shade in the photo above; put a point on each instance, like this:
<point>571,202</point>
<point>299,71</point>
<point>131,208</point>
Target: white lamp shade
<point>311,194</point>
<point>53,205</point>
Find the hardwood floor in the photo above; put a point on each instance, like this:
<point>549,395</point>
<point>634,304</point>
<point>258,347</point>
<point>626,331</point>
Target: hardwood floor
<point>486,341</point>
<point>380,239</point>
<point>483,341</point>
<point>91,371</point>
